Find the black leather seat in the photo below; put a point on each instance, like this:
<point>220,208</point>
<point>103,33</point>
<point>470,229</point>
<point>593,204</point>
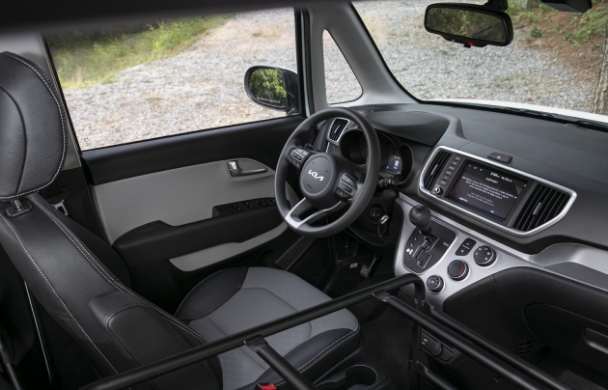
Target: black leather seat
<point>85,285</point>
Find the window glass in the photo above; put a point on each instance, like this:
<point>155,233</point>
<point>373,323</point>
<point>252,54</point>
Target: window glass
<point>340,83</point>
<point>553,61</point>
<point>169,77</point>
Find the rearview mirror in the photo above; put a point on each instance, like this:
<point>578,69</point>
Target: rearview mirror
<point>273,87</point>
<point>471,25</point>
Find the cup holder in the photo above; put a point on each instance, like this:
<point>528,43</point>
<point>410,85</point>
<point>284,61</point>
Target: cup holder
<point>357,377</point>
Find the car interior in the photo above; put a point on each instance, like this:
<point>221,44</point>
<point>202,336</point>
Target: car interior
<point>387,242</point>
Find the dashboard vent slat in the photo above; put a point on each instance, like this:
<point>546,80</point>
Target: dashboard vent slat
<point>436,166</point>
<point>542,206</point>
<point>336,129</point>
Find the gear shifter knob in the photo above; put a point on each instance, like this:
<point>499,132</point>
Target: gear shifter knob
<point>420,217</point>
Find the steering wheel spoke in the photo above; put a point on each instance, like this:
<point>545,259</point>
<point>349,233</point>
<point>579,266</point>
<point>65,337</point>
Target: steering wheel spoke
<point>304,213</point>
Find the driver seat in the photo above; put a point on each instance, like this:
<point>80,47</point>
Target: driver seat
<point>85,285</point>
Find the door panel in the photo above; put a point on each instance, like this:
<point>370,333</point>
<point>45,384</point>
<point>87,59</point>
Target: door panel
<point>185,212</point>
<point>177,196</point>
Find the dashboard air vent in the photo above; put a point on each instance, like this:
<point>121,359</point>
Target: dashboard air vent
<point>542,206</point>
<point>336,129</point>
<point>435,168</point>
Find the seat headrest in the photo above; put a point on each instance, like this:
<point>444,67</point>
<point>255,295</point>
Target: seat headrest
<point>32,128</point>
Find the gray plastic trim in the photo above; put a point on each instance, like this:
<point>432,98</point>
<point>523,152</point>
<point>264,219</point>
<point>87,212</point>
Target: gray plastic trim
<point>209,256</point>
<point>506,257</point>
<point>504,168</point>
<point>177,196</point>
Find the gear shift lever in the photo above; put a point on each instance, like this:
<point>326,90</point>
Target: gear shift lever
<point>420,217</point>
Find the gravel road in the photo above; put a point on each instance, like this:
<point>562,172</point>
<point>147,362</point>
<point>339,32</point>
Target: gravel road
<point>202,87</point>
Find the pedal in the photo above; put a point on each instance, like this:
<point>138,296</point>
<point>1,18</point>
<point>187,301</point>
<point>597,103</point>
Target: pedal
<point>368,267</point>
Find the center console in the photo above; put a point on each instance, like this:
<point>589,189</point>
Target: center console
<point>450,256</point>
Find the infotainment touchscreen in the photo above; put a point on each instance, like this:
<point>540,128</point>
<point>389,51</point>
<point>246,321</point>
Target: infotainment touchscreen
<point>487,189</point>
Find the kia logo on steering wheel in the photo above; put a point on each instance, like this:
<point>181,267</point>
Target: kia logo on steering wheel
<point>315,175</point>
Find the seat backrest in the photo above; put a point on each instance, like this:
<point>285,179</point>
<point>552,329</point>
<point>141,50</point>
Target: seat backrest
<point>118,328</point>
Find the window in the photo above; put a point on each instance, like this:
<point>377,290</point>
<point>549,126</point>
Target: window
<point>553,61</point>
<point>341,85</point>
<point>169,77</point>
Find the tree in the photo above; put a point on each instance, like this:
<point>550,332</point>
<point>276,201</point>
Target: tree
<point>530,4</point>
<point>600,101</point>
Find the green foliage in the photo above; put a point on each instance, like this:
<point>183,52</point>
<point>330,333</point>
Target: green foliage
<point>580,29</point>
<point>85,59</point>
<point>588,25</point>
<point>268,86</point>
<point>535,32</point>
<point>531,17</point>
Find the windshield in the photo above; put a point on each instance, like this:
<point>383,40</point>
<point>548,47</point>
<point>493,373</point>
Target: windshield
<point>553,61</point>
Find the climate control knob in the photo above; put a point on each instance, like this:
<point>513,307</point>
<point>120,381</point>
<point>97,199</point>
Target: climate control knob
<point>435,283</point>
<point>484,256</point>
<point>458,270</point>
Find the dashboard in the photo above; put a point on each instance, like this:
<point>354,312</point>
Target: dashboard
<point>517,238</point>
<point>500,196</point>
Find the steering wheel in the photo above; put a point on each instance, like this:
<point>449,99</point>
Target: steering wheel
<point>328,182</point>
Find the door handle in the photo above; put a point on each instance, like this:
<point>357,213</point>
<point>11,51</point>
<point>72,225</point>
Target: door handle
<point>236,171</point>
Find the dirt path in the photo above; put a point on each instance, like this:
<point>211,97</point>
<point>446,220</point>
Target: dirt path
<point>203,86</point>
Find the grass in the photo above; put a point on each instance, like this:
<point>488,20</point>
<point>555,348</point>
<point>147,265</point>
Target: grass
<point>577,29</point>
<point>84,59</point>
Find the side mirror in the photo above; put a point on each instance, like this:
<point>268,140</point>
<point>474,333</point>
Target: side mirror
<point>273,87</point>
<point>471,25</point>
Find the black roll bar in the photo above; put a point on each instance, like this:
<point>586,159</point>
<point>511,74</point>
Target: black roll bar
<point>472,350</point>
<point>510,366</point>
<point>196,354</point>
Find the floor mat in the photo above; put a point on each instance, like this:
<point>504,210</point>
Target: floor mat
<point>574,374</point>
<point>386,345</point>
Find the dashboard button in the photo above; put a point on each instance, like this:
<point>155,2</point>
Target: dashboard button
<point>458,270</point>
<point>465,247</point>
<point>505,158</point>
<point>435,283</point>
<point>484,255</point>
<point>437,190</point>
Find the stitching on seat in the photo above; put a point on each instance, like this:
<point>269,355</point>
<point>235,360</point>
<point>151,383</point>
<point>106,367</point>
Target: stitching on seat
<point>198,284</point>
<point>46,83</point>
<point>320,355</point>
<point>116,284</point>
<point>57,295</point>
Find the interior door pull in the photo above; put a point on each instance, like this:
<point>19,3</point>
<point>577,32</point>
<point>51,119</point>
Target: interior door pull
<point>236,171</point>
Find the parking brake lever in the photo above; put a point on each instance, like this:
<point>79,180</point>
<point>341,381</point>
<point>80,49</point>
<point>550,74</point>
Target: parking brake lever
<point>236,171</point>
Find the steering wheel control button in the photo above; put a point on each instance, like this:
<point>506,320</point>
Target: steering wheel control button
<point>346,187</point>
<point>298,156</point>
<point>435,283</point>
<point>484,256</point>
<point>465,247</point>
<point>458,270</point>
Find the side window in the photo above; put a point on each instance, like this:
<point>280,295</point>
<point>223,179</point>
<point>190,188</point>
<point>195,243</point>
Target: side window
<point>169,77</point>
<point>341,85</point>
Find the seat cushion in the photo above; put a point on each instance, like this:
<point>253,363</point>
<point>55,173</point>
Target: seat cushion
<point>237,299</point>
